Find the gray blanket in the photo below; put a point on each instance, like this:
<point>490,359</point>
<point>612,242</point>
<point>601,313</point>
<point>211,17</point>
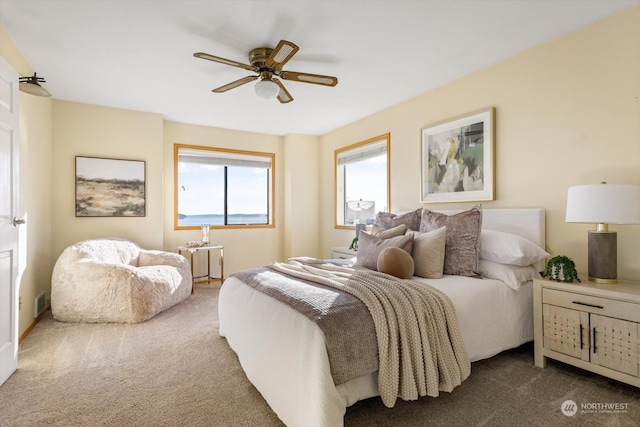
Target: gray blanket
<point>344,320</point>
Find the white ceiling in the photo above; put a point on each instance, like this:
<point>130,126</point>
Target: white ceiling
<point>138,54</point>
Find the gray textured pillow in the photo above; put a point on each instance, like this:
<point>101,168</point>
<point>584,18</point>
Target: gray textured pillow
<point>389,220</point>
<point>396,262</point>
<point>385,233</point>
<point>428,253</point>
<point>462,249</point>
<point>369,248</point>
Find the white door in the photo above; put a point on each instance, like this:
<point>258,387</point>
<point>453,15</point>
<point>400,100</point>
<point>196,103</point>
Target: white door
<point>8,219</point>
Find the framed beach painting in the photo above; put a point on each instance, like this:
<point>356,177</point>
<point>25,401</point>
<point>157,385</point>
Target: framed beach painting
<point>109,187</point>
<point>458,159</point>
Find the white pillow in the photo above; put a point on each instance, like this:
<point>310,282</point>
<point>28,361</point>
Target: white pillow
<point>513,275</point>
<point>507,248</point>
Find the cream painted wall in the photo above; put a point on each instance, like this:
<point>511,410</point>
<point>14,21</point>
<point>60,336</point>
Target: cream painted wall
<point>302,204</point>
<point>95,131</point>
<point>35,121</point>
<point>244,247</point>
<point>567,113</point>
<point>35,200</point>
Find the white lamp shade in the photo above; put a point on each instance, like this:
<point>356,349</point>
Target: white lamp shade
<point>360,205</point>
<point>604,203</point>
<point>267,89</point>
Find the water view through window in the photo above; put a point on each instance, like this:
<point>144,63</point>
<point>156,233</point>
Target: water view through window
<point>206,184</point>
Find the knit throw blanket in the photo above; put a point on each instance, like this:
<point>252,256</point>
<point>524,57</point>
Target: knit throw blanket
<point>420,346</point>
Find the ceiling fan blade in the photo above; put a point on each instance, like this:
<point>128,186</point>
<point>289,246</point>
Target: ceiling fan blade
<point>233,84</point>
<point>224,61</point>
<point>317,79</point>
<point>281,54</point>
<point>284,96</point>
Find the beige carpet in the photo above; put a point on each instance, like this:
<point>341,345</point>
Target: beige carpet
<point>174,370</point>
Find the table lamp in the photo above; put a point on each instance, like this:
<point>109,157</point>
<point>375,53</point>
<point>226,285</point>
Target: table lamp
<point>360,206</point>
<point>603,204</point>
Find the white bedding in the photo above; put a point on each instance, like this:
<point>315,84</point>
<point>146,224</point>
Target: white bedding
<point>283,353</point>
<point>288,363</point>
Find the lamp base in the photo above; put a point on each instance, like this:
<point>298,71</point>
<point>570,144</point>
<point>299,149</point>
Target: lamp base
<point>603,256</point>
<point>359,227</point>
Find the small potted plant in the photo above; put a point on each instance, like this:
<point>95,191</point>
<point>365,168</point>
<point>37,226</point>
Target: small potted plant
<point>561,269</point>
<point>354,244</point>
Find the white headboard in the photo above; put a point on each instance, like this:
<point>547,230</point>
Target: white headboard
<point>527,222</point>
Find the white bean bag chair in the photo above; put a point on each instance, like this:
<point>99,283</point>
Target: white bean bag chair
<point>114,280</point>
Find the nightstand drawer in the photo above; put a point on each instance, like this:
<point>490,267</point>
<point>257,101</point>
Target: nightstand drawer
<point>592,304</point>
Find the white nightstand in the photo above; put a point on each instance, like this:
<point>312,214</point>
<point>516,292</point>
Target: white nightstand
<point>343,252</point>
<point>593,326</point>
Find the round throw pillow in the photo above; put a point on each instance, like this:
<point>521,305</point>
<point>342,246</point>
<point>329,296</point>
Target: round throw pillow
<point>397,262</point>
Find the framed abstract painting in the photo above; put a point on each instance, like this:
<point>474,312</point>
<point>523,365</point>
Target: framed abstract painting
<point>458,159</point>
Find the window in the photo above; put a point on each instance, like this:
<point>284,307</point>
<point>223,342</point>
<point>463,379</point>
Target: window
<point>223,188</point>
<point>362,181</point>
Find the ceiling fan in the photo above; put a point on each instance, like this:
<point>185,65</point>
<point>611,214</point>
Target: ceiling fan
<point>267,63</point>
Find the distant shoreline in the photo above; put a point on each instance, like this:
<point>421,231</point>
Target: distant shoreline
<point>218,219</point>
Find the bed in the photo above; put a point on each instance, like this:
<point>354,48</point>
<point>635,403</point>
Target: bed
<point>284,355</point>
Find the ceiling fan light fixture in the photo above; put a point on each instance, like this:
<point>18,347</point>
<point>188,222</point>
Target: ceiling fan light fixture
<point>267,89</point>
<point>31,85</point>
<point>267,63</point>
<point>34,89</point>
